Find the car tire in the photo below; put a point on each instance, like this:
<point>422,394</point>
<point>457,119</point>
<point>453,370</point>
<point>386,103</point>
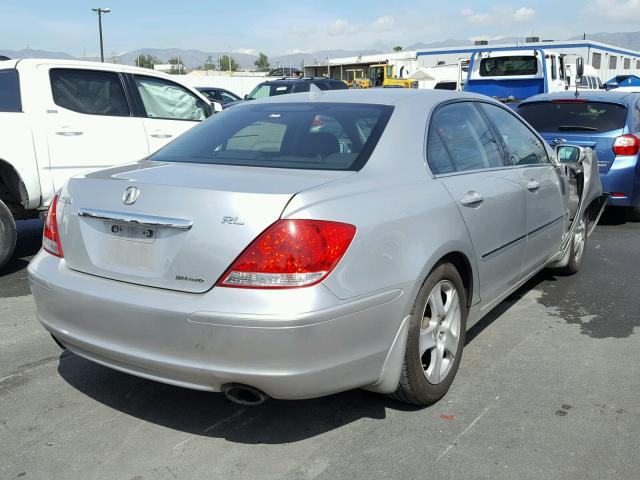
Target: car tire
<point>434,342</point>
<point>633,214</point>
<point>578,247</point>
<point>8,234</point>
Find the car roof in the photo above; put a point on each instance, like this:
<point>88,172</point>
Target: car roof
<point>116,67</point>
<point>304,79</point>
<point>594,96</point>
<point>381,96</point>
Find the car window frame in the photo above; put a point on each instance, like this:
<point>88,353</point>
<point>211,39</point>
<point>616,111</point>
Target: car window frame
<point>503,154</point>
<point>121,78</point>
<point>543,143</point>
<point>142,109</point>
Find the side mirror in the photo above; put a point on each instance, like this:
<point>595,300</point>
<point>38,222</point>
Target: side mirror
<point>246,96</point>
<point>579,67</point>
<point>568,154</point>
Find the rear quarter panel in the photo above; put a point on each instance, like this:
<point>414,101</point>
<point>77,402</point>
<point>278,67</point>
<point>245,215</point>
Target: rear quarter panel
<point>406,221</point>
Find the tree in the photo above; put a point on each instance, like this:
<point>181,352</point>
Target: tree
<point>223,64</point>
<point>176,66</point>
<point>146,61</point>
<point>208,64</point>
<point>262,63</point>
<point>397,48</point>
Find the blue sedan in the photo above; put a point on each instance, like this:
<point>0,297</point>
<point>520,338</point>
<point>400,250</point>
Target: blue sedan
<point>608,122</point>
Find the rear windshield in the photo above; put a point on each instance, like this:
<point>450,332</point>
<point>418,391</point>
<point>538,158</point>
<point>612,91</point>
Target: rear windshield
<point>505,66</point>
<point>10,91</point>
<point>574,116</point>
<point>309,136</point>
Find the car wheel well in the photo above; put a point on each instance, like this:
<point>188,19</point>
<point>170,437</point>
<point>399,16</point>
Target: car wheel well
<point>12,190</point>
<point>462,264</point>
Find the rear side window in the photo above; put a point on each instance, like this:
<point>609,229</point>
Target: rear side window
<point>309,136</point>
<point>10,91</point>
<point>467,139</point>
<point>265,90</point>
<point>168,100</point>
<point>91,92</point>
<point>523,147</point>
<point>571,116</point>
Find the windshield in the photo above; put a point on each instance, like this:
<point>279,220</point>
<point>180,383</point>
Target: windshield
<point>320,136</point>
<point>265,90</point>
<point>506,66</point>
<point>574,116</point>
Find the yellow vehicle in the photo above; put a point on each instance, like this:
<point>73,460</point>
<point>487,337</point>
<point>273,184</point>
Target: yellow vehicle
<point>383,75</point>
<point>356,78</point>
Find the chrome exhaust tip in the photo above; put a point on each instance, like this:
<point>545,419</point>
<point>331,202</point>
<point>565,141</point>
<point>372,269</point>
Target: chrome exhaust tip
<point>244,395</point>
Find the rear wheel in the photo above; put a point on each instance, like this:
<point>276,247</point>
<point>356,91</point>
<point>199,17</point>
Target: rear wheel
<point>578,246</point>
<point>435,339</point>
<point>633,214</point>
<point>8,234</point>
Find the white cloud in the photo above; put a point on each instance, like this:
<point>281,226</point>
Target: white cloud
<point>245,51</point>
<point>481,18</point>
<point>297,50</point>
<point>341,27</point>
<point>502,15</point>
<point>523,14</point>
<point>384,24</point>
<point>617,10</point>
<point>303,31</point>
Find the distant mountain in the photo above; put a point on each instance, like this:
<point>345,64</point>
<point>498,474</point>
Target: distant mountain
<point>452,42</point>
<point>30,53</point>
<point>196,58</point>
<point>629,40</point>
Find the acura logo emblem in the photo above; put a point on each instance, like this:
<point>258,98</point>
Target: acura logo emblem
<point>130,195</point>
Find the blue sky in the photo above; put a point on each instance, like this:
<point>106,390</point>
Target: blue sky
<point>279,27</point>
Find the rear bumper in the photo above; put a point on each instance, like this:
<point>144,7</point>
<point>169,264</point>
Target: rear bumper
<point>183,339</point>
<point>622,178</point>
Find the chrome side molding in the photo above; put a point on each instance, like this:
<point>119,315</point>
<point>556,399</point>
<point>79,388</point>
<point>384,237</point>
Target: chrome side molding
<point>138,219</point>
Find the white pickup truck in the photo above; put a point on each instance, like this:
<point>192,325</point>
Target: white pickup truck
<point>60,118</point>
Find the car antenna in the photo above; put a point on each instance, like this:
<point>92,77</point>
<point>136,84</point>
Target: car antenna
<point>314,91</point>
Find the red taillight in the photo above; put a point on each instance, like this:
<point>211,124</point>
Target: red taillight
<point>51,236</point>
<point>617,195</point>
<point>626,145</point>
<point>290,253</point>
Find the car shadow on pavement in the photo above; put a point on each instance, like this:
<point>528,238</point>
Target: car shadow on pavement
<point>507,303</point>
<point>212,415</point>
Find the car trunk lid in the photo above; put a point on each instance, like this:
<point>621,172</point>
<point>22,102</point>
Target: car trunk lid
<point>602,144</point>
<point>186,226</point>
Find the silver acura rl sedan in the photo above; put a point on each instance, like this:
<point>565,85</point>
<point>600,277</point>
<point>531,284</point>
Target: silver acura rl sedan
<point>313,243</point>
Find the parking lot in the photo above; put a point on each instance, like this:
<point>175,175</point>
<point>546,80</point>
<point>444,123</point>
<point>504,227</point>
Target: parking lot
<point>548,388</point>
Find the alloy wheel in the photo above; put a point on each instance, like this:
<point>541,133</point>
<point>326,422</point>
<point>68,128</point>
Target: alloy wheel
<point>440,331</point>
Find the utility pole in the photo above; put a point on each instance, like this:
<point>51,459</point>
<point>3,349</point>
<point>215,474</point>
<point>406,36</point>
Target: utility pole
<point>229,61</point>
<point>100,11</point>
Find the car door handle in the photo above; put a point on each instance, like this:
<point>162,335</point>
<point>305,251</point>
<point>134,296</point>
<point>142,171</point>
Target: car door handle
<point>69,133</point>
<point>471,199</point>
<point>161,135</point>
<point>533,186</point>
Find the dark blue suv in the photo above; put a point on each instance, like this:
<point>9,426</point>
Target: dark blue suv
<point>608,122</point>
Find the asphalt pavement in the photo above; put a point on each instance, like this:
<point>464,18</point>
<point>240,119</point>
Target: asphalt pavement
<point>548,388</point>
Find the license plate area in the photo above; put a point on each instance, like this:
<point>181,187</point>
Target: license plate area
<point>132,233</point>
